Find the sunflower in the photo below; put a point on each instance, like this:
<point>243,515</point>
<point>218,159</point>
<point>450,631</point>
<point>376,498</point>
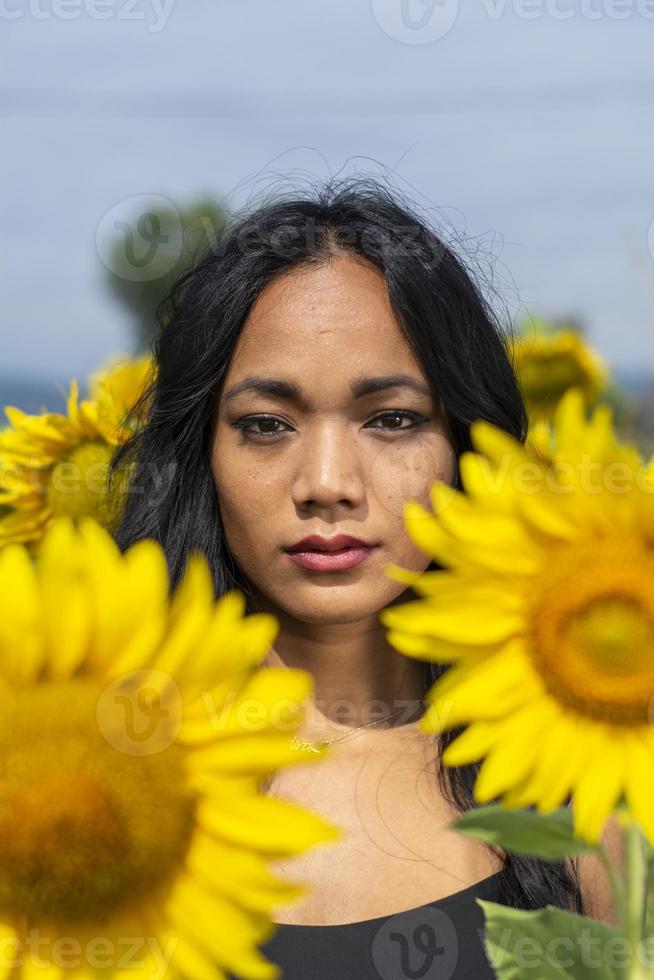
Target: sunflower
<point>135,732</point>
<point>114,390</point>
<point>545,615</point>
<point>540,437</point>
<point>548,363</point>
<point>56,465</point>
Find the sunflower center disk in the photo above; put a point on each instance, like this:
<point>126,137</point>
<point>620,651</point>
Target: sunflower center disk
<point>85,828</point>
<point>78,484</point>
<point>548,377</point>
<point>592,637</point>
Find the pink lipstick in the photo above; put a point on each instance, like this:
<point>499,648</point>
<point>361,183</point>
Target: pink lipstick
<point>329,554</point>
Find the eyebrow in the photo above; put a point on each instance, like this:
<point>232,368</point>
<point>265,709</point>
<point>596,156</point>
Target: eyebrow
<point>360,388</point>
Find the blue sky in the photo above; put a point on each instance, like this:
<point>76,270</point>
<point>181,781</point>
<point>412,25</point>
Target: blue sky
<point>530,137</point>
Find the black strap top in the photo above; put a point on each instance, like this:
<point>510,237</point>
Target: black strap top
<point>438,941</point>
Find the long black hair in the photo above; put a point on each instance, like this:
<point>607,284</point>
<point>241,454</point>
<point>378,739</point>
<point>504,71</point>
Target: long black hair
<point>447,320</point>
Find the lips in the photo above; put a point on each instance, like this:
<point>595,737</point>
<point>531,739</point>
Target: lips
<point>330,561</point>
<point>314,542</point>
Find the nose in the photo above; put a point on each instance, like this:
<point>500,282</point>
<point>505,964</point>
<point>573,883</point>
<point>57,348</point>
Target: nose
<point>329,469</point>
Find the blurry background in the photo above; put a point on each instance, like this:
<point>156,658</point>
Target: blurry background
<point>523,129</point>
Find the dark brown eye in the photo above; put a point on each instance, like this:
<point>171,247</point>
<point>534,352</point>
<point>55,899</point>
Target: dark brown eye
<point>413,418</point>
<point>246,425</point>
<point>270,427</point>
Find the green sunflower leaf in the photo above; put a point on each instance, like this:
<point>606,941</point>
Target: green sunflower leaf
<point>548,836</point>
<point>552,943</point>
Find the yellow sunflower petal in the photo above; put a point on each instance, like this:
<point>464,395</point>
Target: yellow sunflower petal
<point>639,759</point>
<point>141,616</point>
<point>40,966</point>
<point>472,744</point>
<point>599,786</point>
<point>269,825</point>
<point>65,597</point>
<point>489,689</point>
<point>428,534</point>
<point>193,960</point>
<point>249,753</point>
<point>563,755</point>
<point>512,756</point>
<point>464,521</point>
<point>11,951</point>
<point>434,649</point>
<point>244,876</point>
<point>195,911</point>
<point>463,618</point>
<point>270,700</point>
<point>22,640</point>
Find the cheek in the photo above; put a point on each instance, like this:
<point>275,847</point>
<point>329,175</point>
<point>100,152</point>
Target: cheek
<point>397,477</point>
<point>232,504</point>
<point>244,527</point>
<point>245,505</point>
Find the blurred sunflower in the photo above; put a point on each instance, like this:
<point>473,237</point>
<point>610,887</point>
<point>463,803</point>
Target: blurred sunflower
<point>548,363</point>
<point>56,465</point>
<point>114,390</point>
<point>545,614</point>
<point>130,798</point>
<point>540,438</point>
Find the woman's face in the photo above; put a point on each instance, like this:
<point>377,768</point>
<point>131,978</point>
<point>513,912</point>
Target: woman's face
<point>328,461</point>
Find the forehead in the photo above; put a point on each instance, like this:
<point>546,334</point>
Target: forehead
<point>336,316</point>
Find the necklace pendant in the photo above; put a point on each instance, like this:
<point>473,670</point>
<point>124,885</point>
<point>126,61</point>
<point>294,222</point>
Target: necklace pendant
<point>308,746</point>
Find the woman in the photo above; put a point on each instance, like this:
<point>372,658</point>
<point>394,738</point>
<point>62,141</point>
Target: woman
<point>318,367</point>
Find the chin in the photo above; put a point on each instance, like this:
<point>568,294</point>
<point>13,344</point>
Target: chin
<point>333,609</point>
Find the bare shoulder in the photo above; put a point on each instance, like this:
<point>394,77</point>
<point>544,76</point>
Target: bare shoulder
<point>596,891</point>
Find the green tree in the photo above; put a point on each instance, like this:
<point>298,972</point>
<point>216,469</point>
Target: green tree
<point>145,254</point>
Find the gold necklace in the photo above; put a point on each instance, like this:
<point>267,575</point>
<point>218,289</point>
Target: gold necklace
<point>318,745</point>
